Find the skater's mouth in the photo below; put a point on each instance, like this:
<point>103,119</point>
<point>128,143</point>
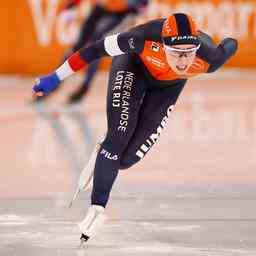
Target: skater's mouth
<point>181,67</point>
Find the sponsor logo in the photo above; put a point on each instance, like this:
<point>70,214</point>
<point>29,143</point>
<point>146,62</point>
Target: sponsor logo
<point>174,38</point>
<point>108,155</point>
<point>153,138</point>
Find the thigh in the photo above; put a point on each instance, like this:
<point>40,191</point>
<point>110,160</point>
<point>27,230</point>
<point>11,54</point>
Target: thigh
<point>153,118</point>
<point>126,89</point>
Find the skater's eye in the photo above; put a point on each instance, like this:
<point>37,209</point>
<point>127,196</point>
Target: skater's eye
<point>179,52</point>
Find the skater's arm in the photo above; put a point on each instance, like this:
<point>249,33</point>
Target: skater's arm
<point>74,63</point>
<point>131,41</point>
<point>216,55</point>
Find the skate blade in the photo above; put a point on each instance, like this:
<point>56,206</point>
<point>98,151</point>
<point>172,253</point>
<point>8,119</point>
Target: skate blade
<point>74,197</point>
<point>86,187</point>
<point>89,184</point>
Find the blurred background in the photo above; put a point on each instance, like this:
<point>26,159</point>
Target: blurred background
<point>213,124</point>
<point>207,151</point>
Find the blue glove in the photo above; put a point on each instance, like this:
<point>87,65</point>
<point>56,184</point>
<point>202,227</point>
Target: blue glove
<point>47,84</point>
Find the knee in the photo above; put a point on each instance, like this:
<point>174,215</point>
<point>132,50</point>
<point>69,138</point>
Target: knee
<point>114,142</point>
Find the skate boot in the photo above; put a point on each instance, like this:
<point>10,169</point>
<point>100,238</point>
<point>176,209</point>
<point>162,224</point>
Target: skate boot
<point>93,220</point>
<point>84,239</point>
<point>86,177</point>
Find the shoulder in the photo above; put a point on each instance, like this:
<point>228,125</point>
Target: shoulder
<point>207,50</point>
<point>134,39</point>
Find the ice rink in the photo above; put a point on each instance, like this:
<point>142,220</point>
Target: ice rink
<point>193,194</point>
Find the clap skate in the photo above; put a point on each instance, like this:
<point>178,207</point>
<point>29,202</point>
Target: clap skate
<point>86,177</point>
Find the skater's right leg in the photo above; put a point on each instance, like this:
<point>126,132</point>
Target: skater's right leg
<point>125,93</point>
<point>126,90</point>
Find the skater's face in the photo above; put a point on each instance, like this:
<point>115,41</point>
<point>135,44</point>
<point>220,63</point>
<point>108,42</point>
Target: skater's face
<point>180,57</point>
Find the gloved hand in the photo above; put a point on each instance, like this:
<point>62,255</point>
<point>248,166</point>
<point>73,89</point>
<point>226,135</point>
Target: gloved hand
<point>229,46</point>
<point>46,84</point>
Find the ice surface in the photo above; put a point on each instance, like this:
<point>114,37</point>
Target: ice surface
<point>194,194</point>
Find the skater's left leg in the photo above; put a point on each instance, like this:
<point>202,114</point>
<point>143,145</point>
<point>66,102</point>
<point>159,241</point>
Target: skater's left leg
<point>154,114</point>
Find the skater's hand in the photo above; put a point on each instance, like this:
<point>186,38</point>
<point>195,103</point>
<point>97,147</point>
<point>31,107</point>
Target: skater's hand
<point>46,85</point>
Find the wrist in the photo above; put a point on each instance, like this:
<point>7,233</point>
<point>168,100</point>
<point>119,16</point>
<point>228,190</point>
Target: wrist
<point>63,71</point>
<point>74,63</point>
<point>55,78</point>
